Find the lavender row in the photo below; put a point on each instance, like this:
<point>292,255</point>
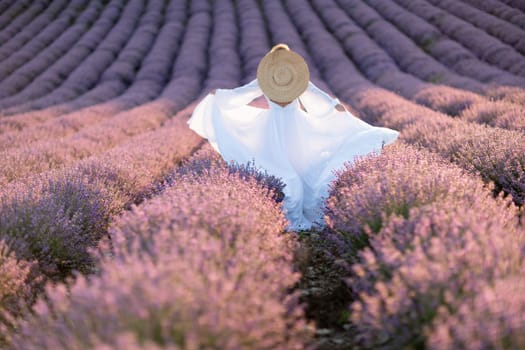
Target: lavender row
<point>69,213</point>
<point>12,12</point>
<point>134,53</point>
<point>407,54</point>
<point>254,42</point>
<point>125,175</point>
<point>499,114</point>
<point>4,5</point>
<point>433,231</point>
<point>46,40</point>
<point>160,148</point>
<point>23,87</point>
<point>370,190</point>
<point>380,68</point>
<point>23,20</point>
<point>480,43</point>
<point>52,221</point>
<point>89,65</point>
<point>516,4</point>
<point>49,154</point>
<point>203,274</point>
<point>224,60</point>
<point>495,154</point>
<point>494,26</point>
<point>15,42</point>
<point>113,95</point>
<point>447,51</point>
<point>439,242</point>
<point>141,55</point>
<point>72,122</point>
<point>191,65</point>
<point>501,10</point>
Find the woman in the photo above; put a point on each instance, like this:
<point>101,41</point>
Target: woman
<point>302,138</point>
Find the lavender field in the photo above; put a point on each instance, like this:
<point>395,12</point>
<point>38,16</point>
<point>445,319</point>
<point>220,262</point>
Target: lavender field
<point>120,228</point>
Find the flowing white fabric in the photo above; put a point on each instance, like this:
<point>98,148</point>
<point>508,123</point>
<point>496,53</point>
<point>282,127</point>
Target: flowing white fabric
<point>303,148</point>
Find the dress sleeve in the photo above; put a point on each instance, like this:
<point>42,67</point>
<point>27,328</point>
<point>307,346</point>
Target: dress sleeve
<point>220,107</point>
<point>242,95</point>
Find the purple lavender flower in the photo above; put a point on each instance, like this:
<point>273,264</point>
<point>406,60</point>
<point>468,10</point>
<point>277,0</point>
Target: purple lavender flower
<point>204,263</point>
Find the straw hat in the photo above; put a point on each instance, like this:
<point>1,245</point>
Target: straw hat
<point>282,74</point>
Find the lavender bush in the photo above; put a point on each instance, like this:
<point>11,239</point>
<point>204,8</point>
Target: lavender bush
<point>64,212</point>
<point>492,319</point>
<point>371,189</point>
<point>436,260</point>
<point>59,219</point>
<point>227,269</point>
<point>501,114</point>
<point>19,282</point>
<point>208,160</point>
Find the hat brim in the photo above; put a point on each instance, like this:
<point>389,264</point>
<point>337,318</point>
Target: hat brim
<point>283,75</point>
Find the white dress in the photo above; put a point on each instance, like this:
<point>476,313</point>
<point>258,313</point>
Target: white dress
<point>302,148</point>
